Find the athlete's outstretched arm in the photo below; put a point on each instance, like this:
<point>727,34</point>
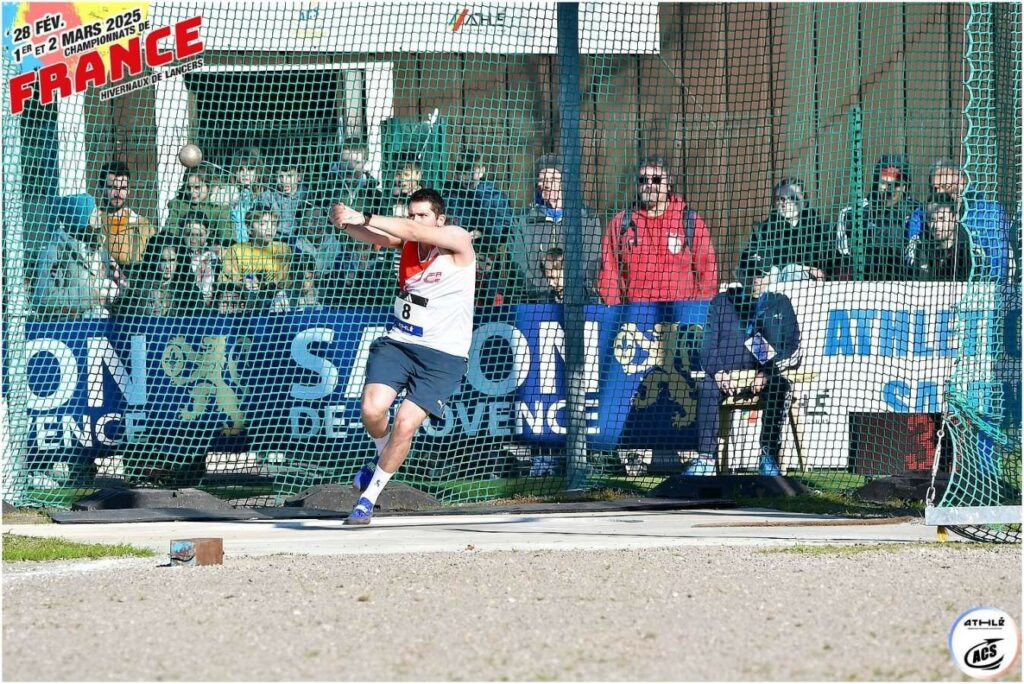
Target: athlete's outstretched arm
<point>341,218</point>
<point>452,238</point>
<point>370,236</point>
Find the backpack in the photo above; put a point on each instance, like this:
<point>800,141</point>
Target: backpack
<point>689,224</point>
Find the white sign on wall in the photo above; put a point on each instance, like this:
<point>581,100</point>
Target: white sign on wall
<point>369,27</point>
<point>870,347</point>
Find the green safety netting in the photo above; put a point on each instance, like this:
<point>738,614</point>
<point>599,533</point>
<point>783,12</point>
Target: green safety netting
<point>177,343</point>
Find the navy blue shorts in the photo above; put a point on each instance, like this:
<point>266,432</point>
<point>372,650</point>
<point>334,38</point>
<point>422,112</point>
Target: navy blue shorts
<point>430,376</point>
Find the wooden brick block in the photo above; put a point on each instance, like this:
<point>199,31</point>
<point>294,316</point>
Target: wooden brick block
<point>199,551</point>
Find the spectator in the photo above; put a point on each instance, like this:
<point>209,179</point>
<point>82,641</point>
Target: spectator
<point>75,275</point>
<point>229,298</point>
<point>489,283</point>
<point>164,297</point>
<point>319,241</point>
<point>879,252</point>
<point>793,238</point>
<point>750,338</point>
<point>362,272</point>
<point>203,262</point>
<point>553,266</point>
<point>478,206</point>
<point>984,220</point>
<point>194,195</point>
<point>943,251</point>
<point>163,282</point>
<point>259,267</point>
<point>658,250</point>
<point>542,229</point>
<point>249,180</point>
<point>124,232</point>
<point>287,201</point>
<point>353,185</point>
<point>408,179</point>
<point>304,284</point>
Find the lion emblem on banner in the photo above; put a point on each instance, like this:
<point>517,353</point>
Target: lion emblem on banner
<point>202,369</point>
<point>667,366</point>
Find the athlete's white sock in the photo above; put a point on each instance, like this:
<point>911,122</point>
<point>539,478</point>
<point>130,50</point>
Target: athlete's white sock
<point>377,484</point>
<point>381,442</point>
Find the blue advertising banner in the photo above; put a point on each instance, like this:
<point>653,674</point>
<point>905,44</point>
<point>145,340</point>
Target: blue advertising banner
<point>639,384</point>
<point>293,380</point>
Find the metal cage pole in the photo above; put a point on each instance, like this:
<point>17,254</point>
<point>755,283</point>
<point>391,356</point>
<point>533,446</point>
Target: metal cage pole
<point>575,285</point>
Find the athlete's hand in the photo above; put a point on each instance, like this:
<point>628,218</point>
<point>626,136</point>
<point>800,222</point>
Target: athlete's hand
<point>346,216</point>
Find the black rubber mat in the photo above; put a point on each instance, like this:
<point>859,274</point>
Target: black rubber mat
<point>127,515</point>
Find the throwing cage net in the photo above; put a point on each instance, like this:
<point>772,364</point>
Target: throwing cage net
<point>183,320</point>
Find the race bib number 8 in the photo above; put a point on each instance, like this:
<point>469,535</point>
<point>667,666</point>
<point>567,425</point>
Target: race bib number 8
<point>410,313</point>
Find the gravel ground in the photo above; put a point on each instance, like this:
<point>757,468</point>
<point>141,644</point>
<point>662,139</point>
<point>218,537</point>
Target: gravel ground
<point>677,614</point>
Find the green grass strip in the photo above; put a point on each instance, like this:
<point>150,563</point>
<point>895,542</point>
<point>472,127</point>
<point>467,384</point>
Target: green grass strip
<point>22,548</point>
<point>855,549</point>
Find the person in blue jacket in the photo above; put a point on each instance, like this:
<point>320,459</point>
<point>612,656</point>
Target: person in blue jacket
<point>478,205</point>
<point>750,338</point>
<point>983,219</point>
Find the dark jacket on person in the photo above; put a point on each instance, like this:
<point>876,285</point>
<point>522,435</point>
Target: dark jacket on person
<point>808,243</point>
<point>929,260</point>
<point>359,191</point>
<point>988,226</point>
<point>877,249</point>
<point>734,317</point>
<point>485,209</point>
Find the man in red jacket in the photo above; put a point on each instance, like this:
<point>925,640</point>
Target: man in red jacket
<point>659,250</point>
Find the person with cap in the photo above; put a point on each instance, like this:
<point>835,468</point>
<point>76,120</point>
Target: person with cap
<point>876,250</point>
<point>792,237</point>
<point>541,229</point>
<point>750,338</point>
<point>658,250</point>
<point>983,219</point>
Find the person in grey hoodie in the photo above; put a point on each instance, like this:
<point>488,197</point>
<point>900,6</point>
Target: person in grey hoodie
<point>541,229</point>
<point>75,275</point>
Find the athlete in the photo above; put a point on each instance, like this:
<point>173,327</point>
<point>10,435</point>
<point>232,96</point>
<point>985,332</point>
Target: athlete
<point>426,350</point>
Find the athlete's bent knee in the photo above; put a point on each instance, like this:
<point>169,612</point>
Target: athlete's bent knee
<point>406,427</point>
<point>372,412</point>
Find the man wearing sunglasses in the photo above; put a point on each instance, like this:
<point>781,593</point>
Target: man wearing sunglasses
<point>658,250</point>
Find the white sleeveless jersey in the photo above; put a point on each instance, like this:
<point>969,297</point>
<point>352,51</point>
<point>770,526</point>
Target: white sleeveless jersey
<point>434,306</point>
